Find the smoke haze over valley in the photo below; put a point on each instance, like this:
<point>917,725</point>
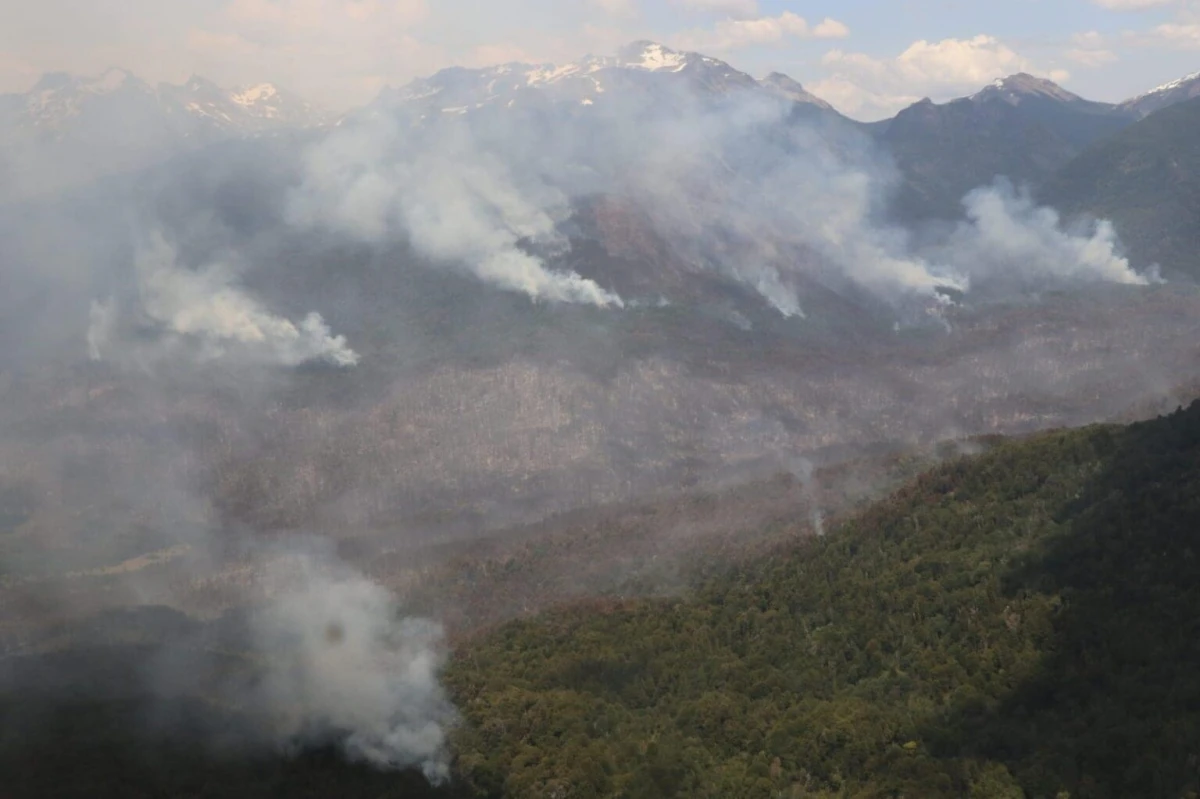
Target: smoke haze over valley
<point>294,403</point>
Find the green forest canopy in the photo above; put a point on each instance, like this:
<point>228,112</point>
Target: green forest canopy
<point>1025,623</point>
<point>1022,623</point>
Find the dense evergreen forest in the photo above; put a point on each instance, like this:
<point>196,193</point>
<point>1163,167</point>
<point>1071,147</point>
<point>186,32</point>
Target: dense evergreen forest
<point>1023,623</point>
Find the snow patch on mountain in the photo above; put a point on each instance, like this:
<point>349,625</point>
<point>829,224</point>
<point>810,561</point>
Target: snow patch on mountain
<point>1016,88</point>
<point>1171,86</point>
<point>1170,93</point>
<point>581,83</point>
<point>254,94</point>
<point>59,104</point>
<point>655,58</point>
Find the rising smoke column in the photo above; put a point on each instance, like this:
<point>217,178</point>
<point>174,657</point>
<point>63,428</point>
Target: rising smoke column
<point>344,662</point>
<point>734,181</point>
<point>456,204</point>
<point>742,176</point>
<point>1009,238</point>
<point>204,314</point>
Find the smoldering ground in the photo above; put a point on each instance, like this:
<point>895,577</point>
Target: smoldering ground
<point>403,322</point>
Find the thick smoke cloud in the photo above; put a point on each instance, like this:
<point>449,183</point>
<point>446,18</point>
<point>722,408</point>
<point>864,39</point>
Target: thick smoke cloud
<point>1010,238</point>
<point>737,183</point>
<point>343,661</point>
<point>204,314</point>
<point>792,202</point>
<point>454,203</point>
<point>785,200</point>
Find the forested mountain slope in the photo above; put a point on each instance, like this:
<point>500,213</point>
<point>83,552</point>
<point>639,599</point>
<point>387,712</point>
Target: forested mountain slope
<point>1146,179</point>
<point>1020,623</point>
<point>1022,128</point>
<point>1026,623</point>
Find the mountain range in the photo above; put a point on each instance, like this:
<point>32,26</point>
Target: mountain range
<point>68,130</point>
<point>611,251</point>
<point>1022,128</point>
<point>61,105</point>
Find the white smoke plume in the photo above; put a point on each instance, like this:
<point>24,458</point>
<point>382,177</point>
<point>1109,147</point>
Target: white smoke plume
<point>733,182</point>
<point>343,661</point>
<point>790,202</point>
<point>786,201</point>
<point>454,203</point>
<point>205,312</point>
<point>1010,238</point>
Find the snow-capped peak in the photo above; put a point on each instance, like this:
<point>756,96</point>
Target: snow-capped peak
<point>641,56</point>
<point>457,90</point>
<point>251,95</point>
<point>653,57</point>
<point>549,73</point>
<point>1015,88</point>
<point>198,108</point>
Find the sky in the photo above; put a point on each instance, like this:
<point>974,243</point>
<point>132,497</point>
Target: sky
<point>868,57</point>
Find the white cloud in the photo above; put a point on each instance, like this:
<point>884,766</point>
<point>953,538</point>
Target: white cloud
<point>858,101</point>
<point>366,39</point>
<point>1090,49</point>
<point>1133,5</point>
<point>1181,35</point>
<point>736,34</point>
<point>617,8</point>
<point>336,53</point>
<point>873,87</point>
<point>831,29</point>
<point>339,53</point>
<point>1091,58</point>
<point>738,9</point>
<point>321,14</point>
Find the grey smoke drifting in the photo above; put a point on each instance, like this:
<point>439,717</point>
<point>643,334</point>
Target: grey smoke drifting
<point>785,201</point>
<point>204,313</point>
<point>1010,238</point>
<point>454,203</point>
<point>342,660</point>
<point>735,183</point>
<point>790,202</point>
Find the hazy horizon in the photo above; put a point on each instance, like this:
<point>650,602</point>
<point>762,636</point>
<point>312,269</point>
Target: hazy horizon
<point>868,59</point>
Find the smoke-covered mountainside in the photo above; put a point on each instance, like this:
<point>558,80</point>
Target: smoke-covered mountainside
<point>1018,624</point>
<point>68,129</point>
<point>287,419</point>
<point>61,105</point>
<point>1147,180</point>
